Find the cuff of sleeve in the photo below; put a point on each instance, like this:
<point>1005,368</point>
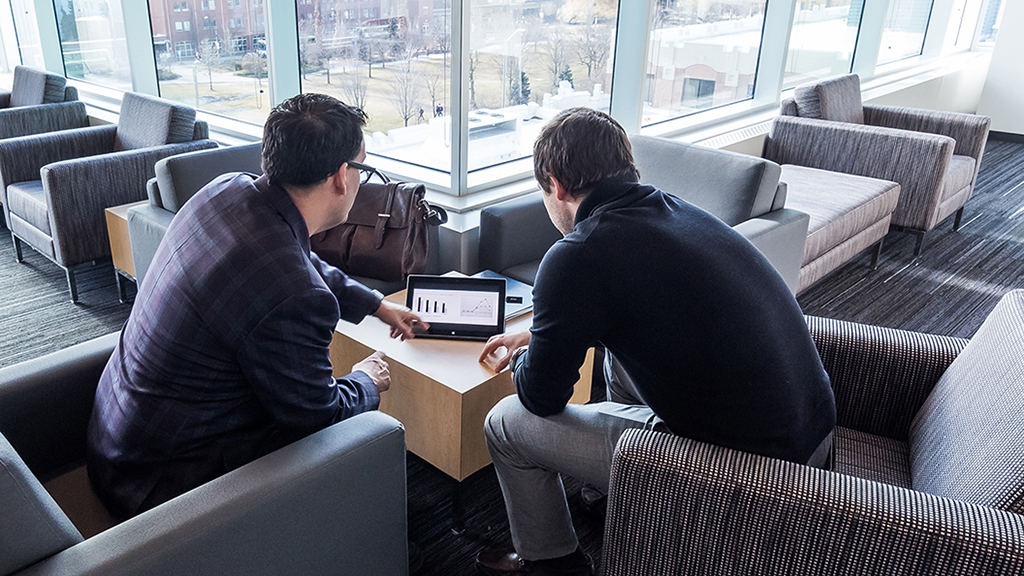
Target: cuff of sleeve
<point>370,391</point>
<point>367,305</point>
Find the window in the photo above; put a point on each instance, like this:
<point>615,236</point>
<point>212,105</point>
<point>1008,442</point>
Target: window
<point>27,29</point>
<point>92,41</point>
<point>906,22</point>
<point>208,5</point>
<point>697,47</point>
<point>990,20</point>
<point>177,26</point>
<point>216,72</point>
<point>822,40</point>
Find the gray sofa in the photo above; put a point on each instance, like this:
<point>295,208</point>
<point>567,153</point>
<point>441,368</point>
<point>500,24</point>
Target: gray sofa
<point>926,478</point>
<point>39,102</point>
<point>743,191</point>
<point>934,156</point>
<point>56,186</point>
<point>331,503</point>
<point>177,179</point>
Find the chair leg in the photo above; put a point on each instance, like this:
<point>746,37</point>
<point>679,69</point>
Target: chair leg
<point>876,253</point>
<point>17,248</point>
<point>71,285</point>
<point>956,220</point>
<point>919,245</point>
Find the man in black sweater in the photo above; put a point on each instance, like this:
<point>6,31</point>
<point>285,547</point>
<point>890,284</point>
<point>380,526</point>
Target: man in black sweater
<point>703,337</point>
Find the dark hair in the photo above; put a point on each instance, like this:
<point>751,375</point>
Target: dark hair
<point>579,148</point>
<point>308,137</point>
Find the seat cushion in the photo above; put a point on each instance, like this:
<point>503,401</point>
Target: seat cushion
<point>958,175</point>
<point>33,526</point>
<point>34,87</point>
<point>840,205</point>
<point>836,99</point>
<point>870,457</point>
<point>967,440</point>
<point>145,121</point>
<point>28,201</point>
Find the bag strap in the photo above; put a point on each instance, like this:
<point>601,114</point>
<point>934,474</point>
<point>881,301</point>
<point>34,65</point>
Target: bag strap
<point>382,217</point>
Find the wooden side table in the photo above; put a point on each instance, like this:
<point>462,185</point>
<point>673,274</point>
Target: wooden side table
<point>120,245</point>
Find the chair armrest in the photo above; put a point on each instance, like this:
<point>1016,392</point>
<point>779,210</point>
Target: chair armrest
<point>880,376</point>
<point>678,506</point>
<point>780,235</point>
<point>22,158</point>
<point>27,120</point>
<point>969,130</point>
<point>79,190</point>
<point>45,404</point>
<point>146,228</point>
<point>915,160</point>
<point>515,232</point>
<point>331,503</point>
<point>5,98</point>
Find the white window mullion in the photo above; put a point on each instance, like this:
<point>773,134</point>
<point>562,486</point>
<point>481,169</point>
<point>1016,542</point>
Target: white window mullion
<point>632,36</point>
<point>459,113</point>
<point>869,39</point>
<point>49,38</point>
<point>771,65</point>
<point>141,56</point>
<point>282,49</point>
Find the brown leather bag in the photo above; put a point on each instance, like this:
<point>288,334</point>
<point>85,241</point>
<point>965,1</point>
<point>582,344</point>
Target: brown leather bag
<point>386,235</point>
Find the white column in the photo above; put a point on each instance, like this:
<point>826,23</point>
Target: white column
<point>282,50</point>
<point>632,37</point>
<point>459,113</point>
<point>139,37</point>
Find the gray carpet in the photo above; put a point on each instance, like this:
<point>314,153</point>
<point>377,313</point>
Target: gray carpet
<point>948,290</point>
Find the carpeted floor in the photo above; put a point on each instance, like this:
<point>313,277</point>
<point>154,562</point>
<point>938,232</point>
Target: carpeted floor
<point>948,290</point>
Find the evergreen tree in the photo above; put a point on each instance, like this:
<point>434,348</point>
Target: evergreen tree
<point>524,88</point>
<point>566,74</point>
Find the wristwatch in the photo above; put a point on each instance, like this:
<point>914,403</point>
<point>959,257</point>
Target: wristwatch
<point>515,356</point>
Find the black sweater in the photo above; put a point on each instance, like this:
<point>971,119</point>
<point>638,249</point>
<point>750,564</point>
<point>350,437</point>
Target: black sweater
<point>711,335</point>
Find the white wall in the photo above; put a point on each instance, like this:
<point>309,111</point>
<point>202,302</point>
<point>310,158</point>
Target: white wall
<point>1004,88</point>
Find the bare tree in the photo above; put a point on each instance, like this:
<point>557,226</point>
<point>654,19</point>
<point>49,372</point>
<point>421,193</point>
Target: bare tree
<point>555,52</point>
<point>474,61</point>
<point>593,45</point>
<point>404,91</point>
<point>354,87</point>
<point>209,53</point>
<point>433,81</point>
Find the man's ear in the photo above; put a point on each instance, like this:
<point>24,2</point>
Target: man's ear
<point>339,181</point>
<point>558,190</point>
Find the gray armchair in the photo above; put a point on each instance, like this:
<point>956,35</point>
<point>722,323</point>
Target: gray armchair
<point>743,191</point>
<point>933,156</point>
<point>56,186</point>
<point>926,477</point>
<point>331,503</point>
<point>39,102</point>
<point>177,179</point>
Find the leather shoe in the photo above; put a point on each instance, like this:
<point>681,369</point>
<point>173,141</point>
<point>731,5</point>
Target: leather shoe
<point>494,562</point>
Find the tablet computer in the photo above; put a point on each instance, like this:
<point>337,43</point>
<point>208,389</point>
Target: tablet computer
<point>459,308</point>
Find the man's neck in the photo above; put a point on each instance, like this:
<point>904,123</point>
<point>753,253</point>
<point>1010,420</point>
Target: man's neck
<point>311,205</point>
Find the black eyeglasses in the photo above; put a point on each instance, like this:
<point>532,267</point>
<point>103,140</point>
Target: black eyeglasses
<point>367,172</point>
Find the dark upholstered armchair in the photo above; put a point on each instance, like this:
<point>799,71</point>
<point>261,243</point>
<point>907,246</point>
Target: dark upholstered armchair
<point>56,186</point>
<point>177,179</point>
<point>927,473</point>
<point>331,503</point>
<point>741,190</point>
<point>39,102</point>
<point>933,156</point>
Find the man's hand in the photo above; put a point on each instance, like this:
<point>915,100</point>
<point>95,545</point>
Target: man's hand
<point>401,320</point>
<point>377,369</point>
<point>511,342</point>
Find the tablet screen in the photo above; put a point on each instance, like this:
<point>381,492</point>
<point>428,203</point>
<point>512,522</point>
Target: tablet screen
<point>455,307</point>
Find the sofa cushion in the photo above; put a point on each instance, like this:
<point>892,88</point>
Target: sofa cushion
<point>870,457</point>
<point>34,87</point>
<point>33,526</point>
<point>958,175</point>
<point>145,121</point>
<point>731,186</point>
<point>967,440</point>
<point>28,201</point>
<point>840,205</point>
<point>836,99</point>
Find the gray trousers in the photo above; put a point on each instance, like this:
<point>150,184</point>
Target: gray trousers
<point>529,453</point>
